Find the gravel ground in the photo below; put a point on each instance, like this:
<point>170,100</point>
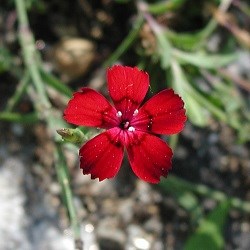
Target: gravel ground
<point>114,214</point>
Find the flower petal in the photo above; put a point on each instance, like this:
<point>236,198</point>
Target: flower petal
<point>127,87</point>
<point>162,114</point>
<point>149,156</point>
<point>90,108</point>
<point>102,156</point>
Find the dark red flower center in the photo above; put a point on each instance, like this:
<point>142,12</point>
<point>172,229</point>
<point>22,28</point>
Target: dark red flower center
<point>124,124</point>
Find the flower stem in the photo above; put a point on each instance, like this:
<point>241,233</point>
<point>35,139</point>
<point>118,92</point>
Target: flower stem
<point>63,176</point>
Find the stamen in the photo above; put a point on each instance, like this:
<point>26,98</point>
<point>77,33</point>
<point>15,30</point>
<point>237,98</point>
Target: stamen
<point>126,124</point>
<point>135,112</point>
<point>131,129</point>
<point>119,114</point>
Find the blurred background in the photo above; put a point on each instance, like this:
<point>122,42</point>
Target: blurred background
<point>49,49</point>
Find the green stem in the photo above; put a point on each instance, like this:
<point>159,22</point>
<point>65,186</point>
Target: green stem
<point>63,176</point>
<point>173,184</point>
<point>20,90</point>
<point>30,54</point>
<point>21,11</point>
<point>126,43</point>
<point>32,63</point>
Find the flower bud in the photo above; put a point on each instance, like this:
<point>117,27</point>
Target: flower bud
<point>72,135</point>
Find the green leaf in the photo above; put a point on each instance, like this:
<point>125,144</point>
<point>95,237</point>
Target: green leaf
<point>203,60</point>
<point>185,41</point>
<point>165,6</point>
<point>19,118</point>
<point>232,102</point>
<point>195,111</point>
<point>56,83</point>
<point>209,235</point>
<point>191,41</point>
<point>187,200</point>
<point>197,103</point>
<point>164,50</point>
<point>190,203</point>
<point>5,59</point>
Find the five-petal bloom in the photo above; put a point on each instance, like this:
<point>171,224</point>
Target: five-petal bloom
<point>128,125</point>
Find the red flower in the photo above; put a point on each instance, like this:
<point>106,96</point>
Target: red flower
<point>128,125</point>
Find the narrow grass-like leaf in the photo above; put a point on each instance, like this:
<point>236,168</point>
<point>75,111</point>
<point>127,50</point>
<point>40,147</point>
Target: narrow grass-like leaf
<point>203,60</point>
<point>19,118</point>
<point>55,83</point>
<point>184,88</point>
<point>165,6</point>
<point>19,92</point>
<point>5,59</point>
<point>164,50</point>
<point>195,112</point>
<point>190,41</point>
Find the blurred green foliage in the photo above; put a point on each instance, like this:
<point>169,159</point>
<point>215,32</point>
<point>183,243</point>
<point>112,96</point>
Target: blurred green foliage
<point>5,59</point>
<point>209,234</point>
